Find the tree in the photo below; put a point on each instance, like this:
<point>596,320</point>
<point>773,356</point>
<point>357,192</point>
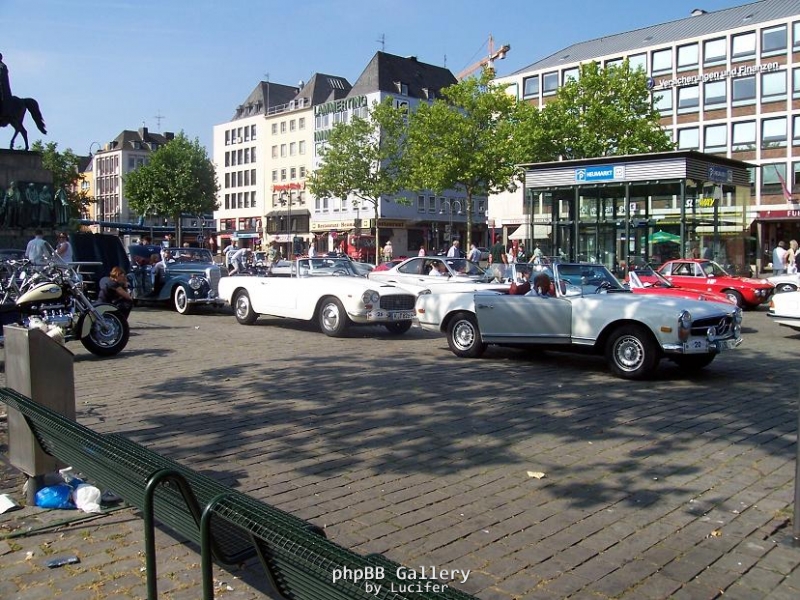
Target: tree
<point>65,167</point>
<point>178,179</point>
<point>363,159</point>
<point>464,141</point>
<point>604,112</point>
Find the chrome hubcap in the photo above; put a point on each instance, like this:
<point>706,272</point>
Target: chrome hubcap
<point>463,335</point>
<point>330,316</point>
<point>629,353</point>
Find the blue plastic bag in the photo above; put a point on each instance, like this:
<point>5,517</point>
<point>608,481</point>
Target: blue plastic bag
<point>55,496</point>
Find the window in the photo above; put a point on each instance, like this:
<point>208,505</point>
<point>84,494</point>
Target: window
<point>421,204</point>
<point>796,35</point>
<point>773,86</point>
<point>796,130</point>
<point>550,83</point>
<point>689,139</point>
<point>253,178</point>
<point>614,62</point>
<point>568,74</point>
<point>796,83</point>
<point>302,172</point>
<point>715,92</point>
<point>431,204</point>
<point>293,173</point>
<point>247,178</point>
<point>233,158</point>
<point>744,90</point>
<point>637,61</point>
<point>771,176</point>
<point>773,132</point>
<point>530,86</point>
<point>253,132</point>
<point>293,149</point>
<point>688,98</point>
<point>253,154</point>
<point>773,40</point>
<point>663,101</point>
<point>292,125</point>
<point>662,60</point>
<point>283,126</point>
<point>744,135</point>
<point>246,155</point>
<point>715,51</point>
<point>743,46</point>
<point>716,138</point>
<point>688,56</point>
<point>274,129</point>
<point>301,147</point>
<point>301,123</point>
<point>275,152</point>
<point>283,150</point>
<point>227,159</point>
<point>274,175</point>
<point>283,174</point>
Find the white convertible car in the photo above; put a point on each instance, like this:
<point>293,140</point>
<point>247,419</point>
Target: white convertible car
<point>587,309</point>
<point>785,309</point>
<point>327,290</point>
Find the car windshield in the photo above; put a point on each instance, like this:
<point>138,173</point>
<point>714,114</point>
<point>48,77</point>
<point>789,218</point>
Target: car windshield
<point>182,255</point>
<point>589,278</point>
<point>463,267</point>
<point>712,269</point>
<point>320,267</point>
<point>645,277</point>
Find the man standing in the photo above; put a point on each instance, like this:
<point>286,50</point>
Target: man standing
<point>497,254</point>
<point>454,251</point>
<point>37,250</point>
<point>779,259</point>
<point>474,254</point>
<point>273,256</point>
<point>229,250</point>
<point>239,259</point>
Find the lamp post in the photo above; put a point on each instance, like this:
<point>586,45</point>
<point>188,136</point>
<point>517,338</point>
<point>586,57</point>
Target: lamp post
<point>450,205</point>
<point>286,200</point>
<point>94,176</point>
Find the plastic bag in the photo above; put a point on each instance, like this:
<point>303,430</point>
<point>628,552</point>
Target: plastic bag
<point>87,498</point>
<point>55,496</point>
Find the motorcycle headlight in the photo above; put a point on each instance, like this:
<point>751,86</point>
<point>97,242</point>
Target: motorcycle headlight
<point>195,282</point>
<point>370,297</point>
<point>684,325</point>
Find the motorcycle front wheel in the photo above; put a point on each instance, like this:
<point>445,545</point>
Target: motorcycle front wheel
<point>107,339</point>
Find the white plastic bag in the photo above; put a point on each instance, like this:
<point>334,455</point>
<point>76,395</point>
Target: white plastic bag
<point>87,498</point>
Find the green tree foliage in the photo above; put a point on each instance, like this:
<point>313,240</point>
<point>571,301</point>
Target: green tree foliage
<point>65,167</point>
<point>178,179</point>
<point>362,159</point>
<point>605,112</point>
<point>464,141</point>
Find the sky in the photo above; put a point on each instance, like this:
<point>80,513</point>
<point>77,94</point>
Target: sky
<point>98,67</point>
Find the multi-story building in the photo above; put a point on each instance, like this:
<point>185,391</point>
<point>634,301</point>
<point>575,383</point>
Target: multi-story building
<point>726,82</point>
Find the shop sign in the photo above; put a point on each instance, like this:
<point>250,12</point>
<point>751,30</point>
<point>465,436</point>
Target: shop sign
<point>778,215</point>
<point>391,223</point>
<point>333,225</point>
<point>600,173</point>
<point>720,174</point>
<point>701,202</point>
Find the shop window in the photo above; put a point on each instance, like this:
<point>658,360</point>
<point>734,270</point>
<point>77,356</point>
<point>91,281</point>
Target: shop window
<point>688,139</point>
<point>772,176</point>
<point>530,86</point>
<point>773,132</point>
<point>688,98</point>
<point>744,135</point>
<point>715,93</point>
<point>688,57</point>
<point>663,102</point>
<point>715,52</point>
<point>716,138</point>
<point>744,90</point>
<point>773,40</point>
<point>743,46</point>
<point>773,86</point>
<point>550,83</point>
<point>662,61</point>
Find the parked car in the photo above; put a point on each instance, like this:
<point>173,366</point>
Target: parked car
<point>646,280</point>
<point>785,283</point>
<point>190,278</point>
<point>416,272</point>
<point>589,311</point>
<point>785,309</point>
<point>322,289</point>
<point>707,276</point>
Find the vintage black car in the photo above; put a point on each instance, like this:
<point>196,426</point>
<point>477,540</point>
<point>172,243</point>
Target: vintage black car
<point>189,277</point>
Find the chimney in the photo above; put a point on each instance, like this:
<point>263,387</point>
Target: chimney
<point>169,135</point>
<point>143,132</point>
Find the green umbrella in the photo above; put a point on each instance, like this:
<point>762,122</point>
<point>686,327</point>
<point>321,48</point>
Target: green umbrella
<point>661,237</point>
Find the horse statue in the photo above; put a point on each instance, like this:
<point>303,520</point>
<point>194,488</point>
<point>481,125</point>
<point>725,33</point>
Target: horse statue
<point>14,113</point>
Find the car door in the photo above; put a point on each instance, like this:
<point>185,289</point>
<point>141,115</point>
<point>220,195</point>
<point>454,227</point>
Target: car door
<point>415,272</point>
<point>528,319</point>
<point>684,274</point>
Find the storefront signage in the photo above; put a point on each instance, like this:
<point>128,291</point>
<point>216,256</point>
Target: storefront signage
<point>720,174</point>
<point>779,215</point>
<point>336,106</point>
<point>333,225</point>
<point>391,223</point>
<point>715,76</point>
<point>600,173</point>
<point>701,202</point>
<point>285,187</point>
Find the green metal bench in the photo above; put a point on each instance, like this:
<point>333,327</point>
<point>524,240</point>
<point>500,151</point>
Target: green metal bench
<point>229,526</point>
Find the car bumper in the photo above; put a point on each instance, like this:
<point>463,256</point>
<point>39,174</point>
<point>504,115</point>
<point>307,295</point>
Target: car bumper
<point>384,316</point>
<point>702,346</point>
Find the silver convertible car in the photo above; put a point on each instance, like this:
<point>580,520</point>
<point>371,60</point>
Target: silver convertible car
<point>583,307</point>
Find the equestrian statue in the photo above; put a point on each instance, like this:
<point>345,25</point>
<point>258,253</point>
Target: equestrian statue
<point>13,109</point>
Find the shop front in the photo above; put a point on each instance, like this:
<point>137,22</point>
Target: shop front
<point>632,210</point>
<point>290,229</point>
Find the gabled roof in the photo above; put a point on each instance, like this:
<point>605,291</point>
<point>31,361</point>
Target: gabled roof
<point>141,139</point>
<point>323,88</point>
<point>265,93</point>
<point>385,71</point>
<point>704,23</point>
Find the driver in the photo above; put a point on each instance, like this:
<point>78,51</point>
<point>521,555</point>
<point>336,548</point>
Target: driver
<point>541,285</point>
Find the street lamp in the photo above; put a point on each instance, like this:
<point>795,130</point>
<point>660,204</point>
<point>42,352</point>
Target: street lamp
<point>286,200</point>
<point>94,177</point>
<point>450,205</point>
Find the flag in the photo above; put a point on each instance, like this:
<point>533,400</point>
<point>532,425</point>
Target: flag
<point>787,193</point>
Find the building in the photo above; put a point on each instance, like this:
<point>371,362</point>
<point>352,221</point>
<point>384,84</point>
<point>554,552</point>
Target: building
<point>726,83</point>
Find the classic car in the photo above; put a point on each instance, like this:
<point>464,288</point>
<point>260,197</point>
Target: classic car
<point>435,273</point>
<point>190,277</point>
<point>590,311</point>
<point>322,289</point>
<point>646,280</point>
<point>707,276</point>
<point>789,282</point>
<point>785,309</point>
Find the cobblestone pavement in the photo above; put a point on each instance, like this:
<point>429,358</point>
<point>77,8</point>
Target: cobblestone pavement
<point>680,487</point>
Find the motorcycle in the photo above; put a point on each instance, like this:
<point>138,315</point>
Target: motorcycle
<point>51,298</point>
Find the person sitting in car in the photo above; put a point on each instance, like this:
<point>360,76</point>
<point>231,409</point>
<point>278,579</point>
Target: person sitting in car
<point>438,269</point>
<point>542,285</point>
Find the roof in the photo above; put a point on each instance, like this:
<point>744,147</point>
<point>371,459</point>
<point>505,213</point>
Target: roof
<point>323,88</point>
<point>141,139</point>
<point>384,71</point>
<point>704,23</point>
<point>263,95</point>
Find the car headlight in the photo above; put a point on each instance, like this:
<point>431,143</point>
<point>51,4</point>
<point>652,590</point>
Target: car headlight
<point>684,325</point>
<point>738,316</point>
<point>195,282</point>
<point>370,297</point>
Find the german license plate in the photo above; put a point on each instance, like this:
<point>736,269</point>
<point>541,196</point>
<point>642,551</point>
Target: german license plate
<point>401,315</point>
<point>699,346</point>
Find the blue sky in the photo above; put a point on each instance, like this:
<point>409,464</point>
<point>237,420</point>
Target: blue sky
<point>98,67</point>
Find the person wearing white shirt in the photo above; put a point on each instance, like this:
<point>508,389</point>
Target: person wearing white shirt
<point>38,249</point>
<point>64,248</point>
<point>238,259</point>
<point>454,251</point>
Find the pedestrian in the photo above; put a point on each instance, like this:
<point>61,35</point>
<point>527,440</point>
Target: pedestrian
<point>421,251</point>
<point>779,259</point>
<point>497,254</point>
<point>229,250</point>
<point>114,290</point>
<point>536,257</point>
<point>521,256</point>
<point>64,248</point>
<point>273,256</point>
<point>38,250</point>
<point>238,260</point>
<point>474,253</point>
<point>454,251</point>
<point>791,258</point>
<point>312,252</point>
<point>387,251</point>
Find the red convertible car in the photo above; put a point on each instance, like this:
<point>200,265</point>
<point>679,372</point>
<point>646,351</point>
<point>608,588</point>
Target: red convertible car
<point>707,276</point>
<point>646,280</point>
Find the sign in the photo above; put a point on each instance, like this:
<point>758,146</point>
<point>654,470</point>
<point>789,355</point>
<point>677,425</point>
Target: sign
<point>391,223</point>
<point>715,76</point>
<point>720,174</point>
<point>600,173</point>
<point>779,215</point>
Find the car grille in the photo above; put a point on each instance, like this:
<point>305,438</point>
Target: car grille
<point>723,326</point>
<point>398,302</point>
<point>213,279</point>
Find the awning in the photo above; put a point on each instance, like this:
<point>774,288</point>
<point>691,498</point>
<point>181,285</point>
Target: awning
<point>300,212</point>
<point>540,232</point>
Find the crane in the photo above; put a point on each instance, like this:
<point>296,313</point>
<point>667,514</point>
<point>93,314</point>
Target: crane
<point>488,61</point>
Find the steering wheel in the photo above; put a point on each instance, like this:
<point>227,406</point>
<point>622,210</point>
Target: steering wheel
<point>603,287</point>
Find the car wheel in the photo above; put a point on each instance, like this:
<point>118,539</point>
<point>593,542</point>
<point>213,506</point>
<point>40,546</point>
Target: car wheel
<point>693,363</point>
<point>735,297</point>
<point>464,337</point>
<point>333,319</point>
<point>398,328</point>
<point>780,288</point>
<point>243,309</point>
<point>180,300</point>
<point>631,352</point>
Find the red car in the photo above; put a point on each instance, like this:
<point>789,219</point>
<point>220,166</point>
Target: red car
<point>707,276</point>
<point>645,280</point>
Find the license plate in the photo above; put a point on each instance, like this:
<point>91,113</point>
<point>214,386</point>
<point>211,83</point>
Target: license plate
<point>384,315</point>
<point>696,346</point>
